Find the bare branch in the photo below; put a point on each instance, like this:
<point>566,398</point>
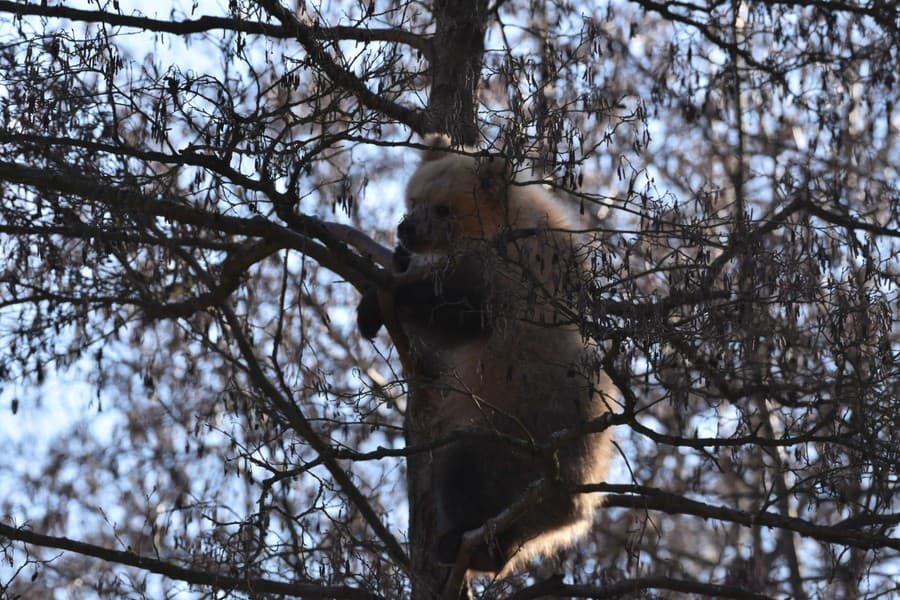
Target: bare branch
<point>354,268</point>
<point>645,498</point>
<point>210,23</point>
<point>193,576</point>
<point>301,425</point>
<point>414,119</point>
<point>554,586</point>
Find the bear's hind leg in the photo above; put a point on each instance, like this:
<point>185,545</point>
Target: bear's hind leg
<point>477,480</point>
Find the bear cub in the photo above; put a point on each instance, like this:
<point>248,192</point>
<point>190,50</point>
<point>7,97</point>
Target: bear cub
<point>487,281</point>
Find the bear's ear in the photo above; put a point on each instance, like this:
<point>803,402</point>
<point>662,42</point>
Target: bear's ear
<point>437,143</point>
<point>494,172</point>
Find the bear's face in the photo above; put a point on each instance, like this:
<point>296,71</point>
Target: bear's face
<point>452,198</point>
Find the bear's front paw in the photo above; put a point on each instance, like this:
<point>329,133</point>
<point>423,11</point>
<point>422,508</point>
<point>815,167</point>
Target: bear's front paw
<point>413,266</point>
<point>368,314</point>
<point>402,258</point>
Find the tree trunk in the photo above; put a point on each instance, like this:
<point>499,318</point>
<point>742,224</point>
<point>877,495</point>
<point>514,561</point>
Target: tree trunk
<point>458,49</point>
<point>458,52</point>
<point>427,574</point>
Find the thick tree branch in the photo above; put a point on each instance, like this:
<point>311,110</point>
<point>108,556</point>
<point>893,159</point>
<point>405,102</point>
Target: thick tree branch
<point>210,23</point>
<point>554,587</point>
<point>641,497</point>
<point>848,221</point>
<point>197,577</point>
<point>232,274</point>
<point>333,255</point>
<point>883,13</point>
<point>460,27</point>
<point>366,246</point>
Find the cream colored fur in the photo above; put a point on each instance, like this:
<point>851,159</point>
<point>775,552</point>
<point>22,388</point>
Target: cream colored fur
<point>533,365</point>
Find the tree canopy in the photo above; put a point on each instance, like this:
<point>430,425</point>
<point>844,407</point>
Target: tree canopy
<point>193,195</point>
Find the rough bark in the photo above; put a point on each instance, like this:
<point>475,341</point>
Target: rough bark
<point>460,27</point>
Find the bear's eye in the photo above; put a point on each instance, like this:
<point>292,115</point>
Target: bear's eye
<point>442,211</point>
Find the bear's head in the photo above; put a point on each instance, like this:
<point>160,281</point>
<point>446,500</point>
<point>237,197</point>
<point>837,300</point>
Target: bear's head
<point>453,197</point>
